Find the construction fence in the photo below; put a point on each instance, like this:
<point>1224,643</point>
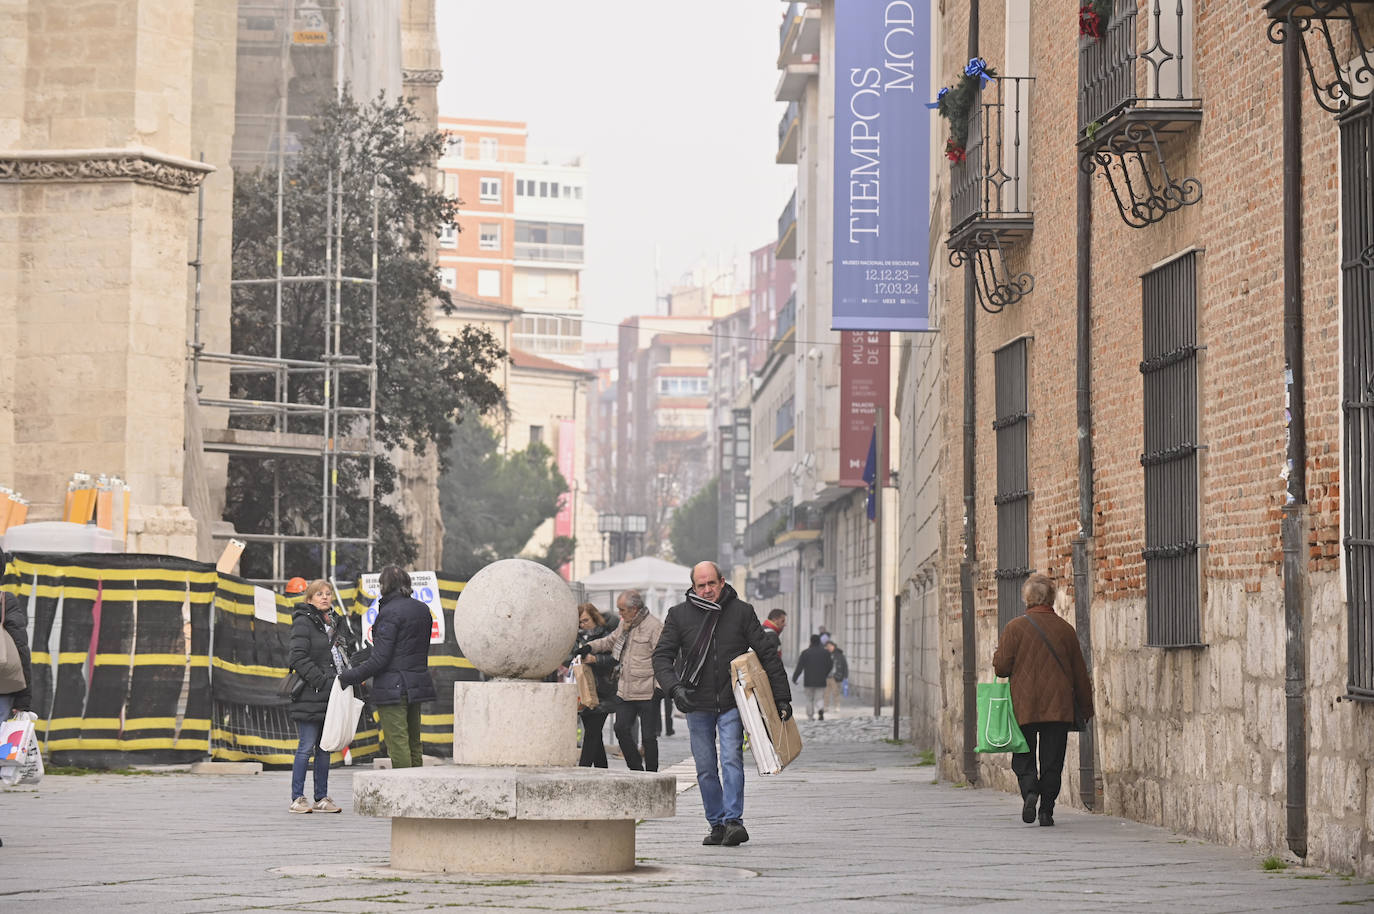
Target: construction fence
<point>154,660</point>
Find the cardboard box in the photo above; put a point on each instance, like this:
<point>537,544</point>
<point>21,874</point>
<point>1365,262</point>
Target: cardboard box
<point>774,742</point>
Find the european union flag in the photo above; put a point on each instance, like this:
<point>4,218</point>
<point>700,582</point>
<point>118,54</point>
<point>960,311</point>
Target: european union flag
<point>871,473</point>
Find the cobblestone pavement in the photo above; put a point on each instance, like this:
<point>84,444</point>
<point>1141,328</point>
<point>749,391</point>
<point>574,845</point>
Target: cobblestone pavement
<point>855,824</point>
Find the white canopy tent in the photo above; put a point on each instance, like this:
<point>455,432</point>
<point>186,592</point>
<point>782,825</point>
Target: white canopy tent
<point>662,583</point>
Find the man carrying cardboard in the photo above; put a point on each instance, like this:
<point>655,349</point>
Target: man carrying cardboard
<point>692,664</point>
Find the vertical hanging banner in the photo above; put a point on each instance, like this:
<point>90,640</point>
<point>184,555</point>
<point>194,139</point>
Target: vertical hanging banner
<point>882,165</point>
<point>864,372</point>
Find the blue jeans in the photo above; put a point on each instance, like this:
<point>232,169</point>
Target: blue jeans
<point>722,791</point>
<point>310,732</point>
<point>6,704</point>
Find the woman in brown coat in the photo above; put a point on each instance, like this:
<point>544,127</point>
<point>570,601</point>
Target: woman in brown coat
<point>1040,652</point>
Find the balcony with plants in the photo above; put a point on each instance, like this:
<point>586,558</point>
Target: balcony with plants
<point>988,149</point>
<point>1136,103</point>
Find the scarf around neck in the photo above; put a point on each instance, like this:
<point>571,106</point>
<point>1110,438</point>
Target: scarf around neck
<point>696,657</point>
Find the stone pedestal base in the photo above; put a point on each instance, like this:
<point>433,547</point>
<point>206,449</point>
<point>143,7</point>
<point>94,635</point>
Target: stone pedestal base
<point>515,722</point>
<point>512,846</point>
<point>514,819</point>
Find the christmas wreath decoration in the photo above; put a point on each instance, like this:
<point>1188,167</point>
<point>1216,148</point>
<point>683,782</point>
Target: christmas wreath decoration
<point>955,104</point>
<point>1093,18</point>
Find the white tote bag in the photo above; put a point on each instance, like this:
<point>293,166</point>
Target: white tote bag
<point>21,762</point>
<point>340,718</point>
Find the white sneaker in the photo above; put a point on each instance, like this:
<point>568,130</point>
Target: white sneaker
<point>300,804</point>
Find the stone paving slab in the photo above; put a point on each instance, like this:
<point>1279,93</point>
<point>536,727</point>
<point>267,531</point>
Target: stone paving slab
<point>855,824</point>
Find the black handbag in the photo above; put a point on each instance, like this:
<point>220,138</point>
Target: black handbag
<point>1080,722</point>
<point>291,686</point>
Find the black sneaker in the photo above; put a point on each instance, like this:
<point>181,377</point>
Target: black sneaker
<point>716,836</point>
<point>1046,817</point>
<point>1028,807</point>
<point>735,833</point>
<point>820,715</point>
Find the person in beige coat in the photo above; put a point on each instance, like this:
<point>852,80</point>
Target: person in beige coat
<point>631,647</point>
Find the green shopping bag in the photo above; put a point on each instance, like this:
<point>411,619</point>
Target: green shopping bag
<point>997,727</point>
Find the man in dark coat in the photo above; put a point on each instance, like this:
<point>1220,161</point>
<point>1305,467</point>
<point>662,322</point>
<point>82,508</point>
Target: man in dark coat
<point>692,664</point>
<point>815,663</point>
<point>399,667</point>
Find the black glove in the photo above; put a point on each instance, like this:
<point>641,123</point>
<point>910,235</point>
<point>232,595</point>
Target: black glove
<point>785,710</point>
<point>679,696</point>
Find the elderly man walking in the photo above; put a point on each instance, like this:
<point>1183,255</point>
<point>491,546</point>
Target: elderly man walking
<point>631,647</point>
<point>692,662</point>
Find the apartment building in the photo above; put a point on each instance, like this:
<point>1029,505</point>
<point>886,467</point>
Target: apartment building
<point>523,221</point>
<point>1184,448</point>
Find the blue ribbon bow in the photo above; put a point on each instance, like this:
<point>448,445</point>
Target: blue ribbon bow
<point>939,97</point>
<point>978,67</point>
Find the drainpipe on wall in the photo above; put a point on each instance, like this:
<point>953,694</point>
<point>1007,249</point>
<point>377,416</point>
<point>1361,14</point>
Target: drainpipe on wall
<point>1082,542</point>
<point>966,602</point>
<point>1294,524</point>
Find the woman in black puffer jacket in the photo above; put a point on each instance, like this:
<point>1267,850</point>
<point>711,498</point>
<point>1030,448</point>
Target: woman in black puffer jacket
<point>590,626</point>
<point>399,667</point>
<point>320,644</point>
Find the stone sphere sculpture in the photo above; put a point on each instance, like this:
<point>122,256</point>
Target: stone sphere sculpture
<point>516,619</point>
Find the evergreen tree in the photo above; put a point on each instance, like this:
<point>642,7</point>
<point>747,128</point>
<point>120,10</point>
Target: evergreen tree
<point>354,155</point>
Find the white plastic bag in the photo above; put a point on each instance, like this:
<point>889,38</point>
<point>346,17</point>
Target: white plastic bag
<point>21,762</point>
<point>340,718</point>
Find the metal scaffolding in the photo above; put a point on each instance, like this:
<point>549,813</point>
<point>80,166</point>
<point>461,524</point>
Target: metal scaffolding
<point>334,430</point>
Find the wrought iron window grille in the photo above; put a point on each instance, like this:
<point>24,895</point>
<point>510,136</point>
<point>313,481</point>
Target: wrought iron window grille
<point>989,194</point>
<point>1171,428</point>
<point>1336,38</point>
<point>1011,375</point>
<point>1122,129</point>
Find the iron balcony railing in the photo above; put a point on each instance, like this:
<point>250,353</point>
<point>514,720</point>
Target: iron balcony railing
<point>787,318</point>
<point>1115,73</point>
<point>990,181</point>
<point>761,533</point>
<point>552,253</point>
<point>787,230</point>
<point>787,140</point>
<point>790,20</point>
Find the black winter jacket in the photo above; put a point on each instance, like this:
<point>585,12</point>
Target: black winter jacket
<point>399,665</point>
<point>313,661</point>
<point>17,624</point>
<point>738,631</point>
<point>815,664</point>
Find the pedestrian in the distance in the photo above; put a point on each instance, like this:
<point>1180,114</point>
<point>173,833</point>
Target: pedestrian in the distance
<point>692,663</point>
<point>839,672</point>
<point>813,666</point>
<point>320,647</point>
<point>398,667</point>
<point>591,624</point>
<point>1040,652</point>
<point>772,628</point>
<point>631,647</point>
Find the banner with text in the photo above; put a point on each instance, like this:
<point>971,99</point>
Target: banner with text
<point>864,372</point>
<point>882,165</point>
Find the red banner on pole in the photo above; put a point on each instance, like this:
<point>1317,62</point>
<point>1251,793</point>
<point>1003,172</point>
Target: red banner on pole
<point>864,371</point>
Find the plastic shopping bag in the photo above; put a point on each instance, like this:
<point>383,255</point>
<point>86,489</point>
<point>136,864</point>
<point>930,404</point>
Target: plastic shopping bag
<point>997,727</point>
<point>21,762</point>
<point>340,718</point>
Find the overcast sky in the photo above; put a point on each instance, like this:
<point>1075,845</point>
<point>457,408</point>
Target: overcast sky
<point>672,102</point>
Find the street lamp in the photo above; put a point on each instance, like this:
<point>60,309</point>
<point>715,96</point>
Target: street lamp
<point>617,530</point>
